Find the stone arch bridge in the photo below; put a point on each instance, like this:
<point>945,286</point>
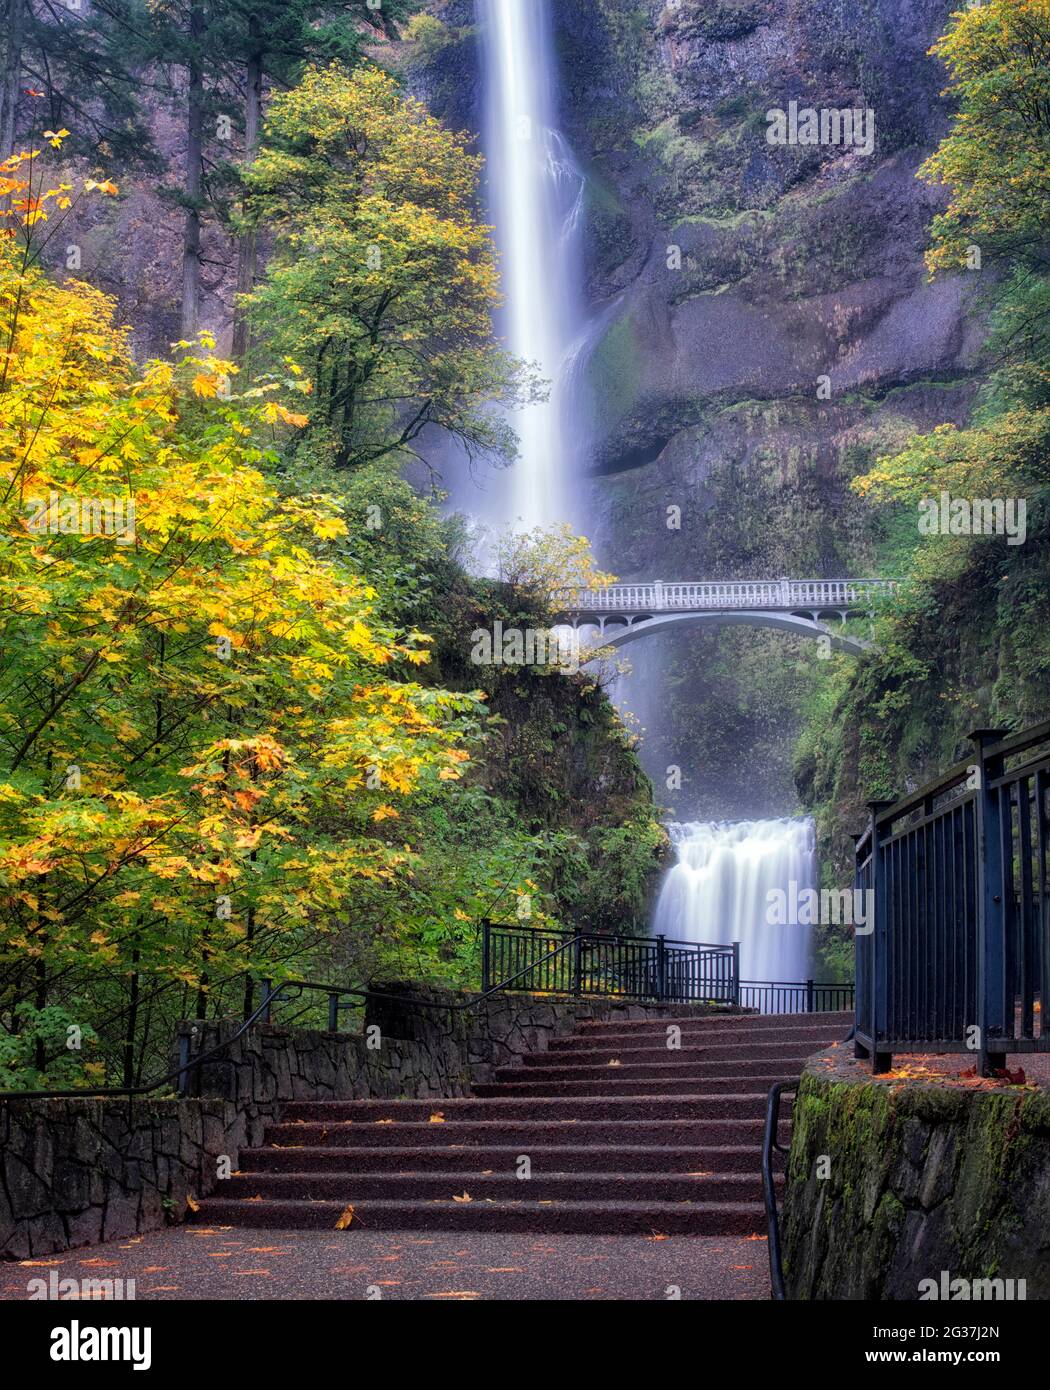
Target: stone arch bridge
<point>624,613</point>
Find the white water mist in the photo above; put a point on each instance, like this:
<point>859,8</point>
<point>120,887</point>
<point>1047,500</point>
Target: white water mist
<point>535,197</point>
<point>718,892</point>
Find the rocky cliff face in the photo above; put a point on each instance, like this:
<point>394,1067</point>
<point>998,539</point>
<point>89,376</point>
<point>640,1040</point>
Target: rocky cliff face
<point>797,262</point>
<point>762,324</point>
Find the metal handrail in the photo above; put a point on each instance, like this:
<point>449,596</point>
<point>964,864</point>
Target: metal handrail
<point>273,994</point>
<point>771,1145</point>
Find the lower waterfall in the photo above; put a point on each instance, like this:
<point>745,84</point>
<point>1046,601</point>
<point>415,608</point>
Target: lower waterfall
<point>722,885</point>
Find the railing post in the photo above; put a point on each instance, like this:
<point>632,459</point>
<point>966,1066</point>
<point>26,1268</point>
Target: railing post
<point>809,997</point>
<point>267,989</point>
<point>333,1013</point>
<point>658,593</point>
<point>661,968</point>
<point>736,974</point>
<point>880,1061</point>
<point>577,964</point>
<point>184,1063</point>
<point>991,1003</point>
<point>486,946</point>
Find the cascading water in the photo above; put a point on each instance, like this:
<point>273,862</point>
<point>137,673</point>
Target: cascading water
<point>719,892</point>
<point>535,199</point>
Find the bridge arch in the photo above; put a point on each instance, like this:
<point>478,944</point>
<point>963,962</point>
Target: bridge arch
<point>792,605</point>
<point>616,632</point>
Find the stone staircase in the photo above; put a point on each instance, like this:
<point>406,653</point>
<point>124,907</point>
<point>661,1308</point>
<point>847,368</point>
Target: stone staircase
<point>622,1134</point>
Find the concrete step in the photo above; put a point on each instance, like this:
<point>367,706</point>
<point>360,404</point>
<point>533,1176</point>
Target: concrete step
<point>560,1158</point>
<point>544,1185</point>
<point>612,1083</point>
<point>587,1040</point>
<point>697,1133</point>
<point>768,1053</point>
<point>542,1217</point>
<point>332,1113</point>
<point>700,1071</point>
<point>729,1023</point>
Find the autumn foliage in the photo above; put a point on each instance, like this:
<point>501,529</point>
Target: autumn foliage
<point>204,726</point>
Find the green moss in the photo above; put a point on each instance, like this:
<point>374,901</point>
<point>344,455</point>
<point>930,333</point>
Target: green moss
<point>615,367</point>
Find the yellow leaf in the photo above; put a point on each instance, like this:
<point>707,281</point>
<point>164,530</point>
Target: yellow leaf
<point>345,1219</point>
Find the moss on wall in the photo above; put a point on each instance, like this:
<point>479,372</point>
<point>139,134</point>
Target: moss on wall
<point>921,1178</point>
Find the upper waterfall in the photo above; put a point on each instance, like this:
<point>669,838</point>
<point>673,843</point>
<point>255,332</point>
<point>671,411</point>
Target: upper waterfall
<point>535,196</point>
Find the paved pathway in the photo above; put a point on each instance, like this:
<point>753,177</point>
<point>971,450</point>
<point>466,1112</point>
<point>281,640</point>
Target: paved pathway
<point>208,1262</point>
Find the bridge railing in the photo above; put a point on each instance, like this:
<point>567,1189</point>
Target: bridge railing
<point>957,954</point>
<point>778,594</point>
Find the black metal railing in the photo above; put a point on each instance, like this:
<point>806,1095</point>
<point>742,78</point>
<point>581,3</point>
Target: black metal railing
<point>795,997</point>
<point>771,1145</point>
<point>609,967</point>
<point>956,955</point>
<point>191,1059</point>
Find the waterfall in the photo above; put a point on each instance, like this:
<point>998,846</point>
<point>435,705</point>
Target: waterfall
<point>535,200</point>
<point>718,892</point>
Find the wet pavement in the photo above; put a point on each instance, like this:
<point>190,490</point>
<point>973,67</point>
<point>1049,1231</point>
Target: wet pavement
<point>213,1263</point>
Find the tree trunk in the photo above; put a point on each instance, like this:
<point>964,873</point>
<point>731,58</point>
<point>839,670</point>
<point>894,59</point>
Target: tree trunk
<point>12,75</point>
<point>191,234</point>
<point>246,242</point>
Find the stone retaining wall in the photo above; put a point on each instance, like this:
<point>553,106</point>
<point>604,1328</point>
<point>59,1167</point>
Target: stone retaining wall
<point>925,1179</point>
<point>73,1172</point>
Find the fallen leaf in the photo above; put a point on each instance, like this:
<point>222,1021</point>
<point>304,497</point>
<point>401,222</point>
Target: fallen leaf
<point>465,1198</point>
<point>344,1221</point>
<point>192,1202</point>
<point>437,1118</point>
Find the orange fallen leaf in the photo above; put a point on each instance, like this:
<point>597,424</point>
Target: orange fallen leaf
<point>192,1202</point>
<point>465,1198</point>
<point>344,1221</point>
<point>437,1118</point>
